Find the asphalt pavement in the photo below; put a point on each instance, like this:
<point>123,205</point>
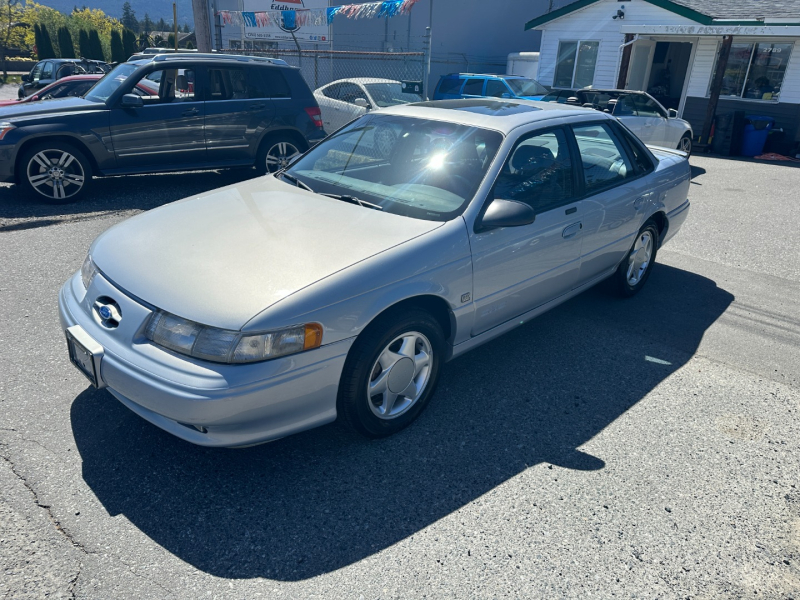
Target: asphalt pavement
<point>641,448</point>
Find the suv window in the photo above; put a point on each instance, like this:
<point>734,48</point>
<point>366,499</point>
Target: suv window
<point>538,172</point>
<point>450,85</point>
<point>605,163</point>
<point>229,84</point>
<point>496,89</point>
<point>273,83</point>
<point>473,87</point>
<point>169,85</point>
<point>47,71</point>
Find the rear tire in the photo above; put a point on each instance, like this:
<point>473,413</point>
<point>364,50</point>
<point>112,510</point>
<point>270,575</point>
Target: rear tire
<point>634,271</point>
<point>399,350</point>
<point>277,151</point>
<point>55,172</point>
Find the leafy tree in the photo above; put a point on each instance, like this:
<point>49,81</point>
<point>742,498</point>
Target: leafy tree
<point>145,41</point>
<point>96,46</point>
<point>189,46</point>
<point>46,49</point>
<point>128,43</point>
<point>65,45</point>
<point>84,48</point>
<point>37,38</point>
<point>117,51</point>
<point>147,24</point>
<point>129,19</point>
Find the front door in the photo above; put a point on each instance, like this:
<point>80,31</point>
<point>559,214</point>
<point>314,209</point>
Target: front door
<point>168,130</point>
<point>641,63</point>
<point>516,269</point>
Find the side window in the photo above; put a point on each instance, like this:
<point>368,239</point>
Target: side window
<point>538,172</point>
<point>47,71</point>
<point>275,84</point>
<point>646,107</point>
<point>79,89</point>
<point>56,91</point>
<point>333,91</point>
<point>227,84</point>
<point>36,73</point>
<point>167,85</point>
<point>450,85</point>
<point>496,89</point>
<point>641,159</point>
<point>604,161</point>
<point>473,87</point>
<point>349,92</point>
<point>625,106</point>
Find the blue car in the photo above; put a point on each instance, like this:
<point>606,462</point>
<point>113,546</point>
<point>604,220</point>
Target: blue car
<point>472,85</point>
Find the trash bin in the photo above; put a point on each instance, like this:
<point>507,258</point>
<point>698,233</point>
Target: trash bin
<point>756,130</point>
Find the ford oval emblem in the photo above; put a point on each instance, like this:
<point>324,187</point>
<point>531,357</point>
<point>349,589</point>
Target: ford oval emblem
<point>105,312</point>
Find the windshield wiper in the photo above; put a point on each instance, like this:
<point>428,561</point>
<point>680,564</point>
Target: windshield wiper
<point>295,181</point>
<point>354,200</point>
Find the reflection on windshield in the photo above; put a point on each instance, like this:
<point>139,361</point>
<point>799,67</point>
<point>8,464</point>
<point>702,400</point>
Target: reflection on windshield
<point>110,82</point>
<point>415,167</point>
<point>526,87</point>
<point>390,94</point>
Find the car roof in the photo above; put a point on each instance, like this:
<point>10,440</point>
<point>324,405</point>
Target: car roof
<point>364,80</point>
<point>492,75</point>
<point>80,77</point>
<point>214,57</point>
<point>502,115</point>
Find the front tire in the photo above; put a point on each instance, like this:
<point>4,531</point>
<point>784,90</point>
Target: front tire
<point>391,373</point>
<point>276,152</point>
<point>634,271</point>
<point>686,143</point>
<point>55,172</point>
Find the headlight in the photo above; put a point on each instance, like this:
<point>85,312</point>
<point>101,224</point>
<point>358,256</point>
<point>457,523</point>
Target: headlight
<point>5,127</point>
<point>88,271</point>
<point>226,346</point>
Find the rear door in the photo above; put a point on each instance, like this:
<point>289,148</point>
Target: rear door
<point>237,109</point>
<point>167,131</point>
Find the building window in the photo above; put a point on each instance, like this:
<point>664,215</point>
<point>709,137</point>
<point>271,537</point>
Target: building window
<point>235,44</point>
<point>575,64</point>
<point>755,71</point>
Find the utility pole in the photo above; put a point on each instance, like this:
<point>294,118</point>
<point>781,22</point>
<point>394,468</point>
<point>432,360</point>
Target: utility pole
<point>175,23</point>
<point>202,26</point>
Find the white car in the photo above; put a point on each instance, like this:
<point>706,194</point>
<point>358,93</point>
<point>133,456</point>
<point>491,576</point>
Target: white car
<point>343,100</point>
<point>639,111</point>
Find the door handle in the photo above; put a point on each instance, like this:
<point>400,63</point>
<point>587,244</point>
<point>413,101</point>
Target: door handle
<point>571,230</point>
<point>190,113</point>
<point>570,211</point>
<point>637,204</point>
<point>257,106</point>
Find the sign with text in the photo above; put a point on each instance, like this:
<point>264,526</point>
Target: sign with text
<point>315,34</point>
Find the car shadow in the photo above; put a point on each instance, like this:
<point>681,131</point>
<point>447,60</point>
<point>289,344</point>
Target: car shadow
<point>321,500</point>
<point>112,194</point>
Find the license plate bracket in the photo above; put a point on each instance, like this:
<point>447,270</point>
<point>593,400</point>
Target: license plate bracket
<point>86,354</point>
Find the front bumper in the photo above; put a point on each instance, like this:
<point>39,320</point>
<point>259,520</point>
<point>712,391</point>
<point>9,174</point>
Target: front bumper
<point>201,402</point>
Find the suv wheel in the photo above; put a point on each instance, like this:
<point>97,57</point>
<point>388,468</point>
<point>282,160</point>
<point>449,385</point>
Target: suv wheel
<point>55,172</point>
<point>276,153</point>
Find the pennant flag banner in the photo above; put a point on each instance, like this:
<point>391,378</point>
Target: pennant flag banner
<point>293,19</point>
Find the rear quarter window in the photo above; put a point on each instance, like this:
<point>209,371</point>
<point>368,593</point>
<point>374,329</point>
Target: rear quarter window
<point>272,82</point>
<point>450,85</point>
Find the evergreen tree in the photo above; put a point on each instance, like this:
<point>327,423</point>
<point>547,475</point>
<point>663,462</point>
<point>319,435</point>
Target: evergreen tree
<point>117,51</point>
<point>95,46</point>
<point>46,49</point>
<point>171,40</point>
<point>128,43</point>
<point>37,39</point>
<point>129,17</point>
<point>147,24</point>
<point>65,45</point>
<point>84,49</point>
<point>186,28</point>
<point>162,24</point>
<point>189,46</point>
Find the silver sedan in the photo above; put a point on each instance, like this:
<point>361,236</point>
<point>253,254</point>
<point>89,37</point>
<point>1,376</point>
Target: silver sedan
<point>341,285</point>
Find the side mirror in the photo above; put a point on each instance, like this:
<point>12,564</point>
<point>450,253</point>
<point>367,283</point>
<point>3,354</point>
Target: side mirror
<point>673,114</point>
<point>131,101</point>
<point>505,95</point>
<point>361,102</point>
<point>507,213</point>
<point>26,78</point>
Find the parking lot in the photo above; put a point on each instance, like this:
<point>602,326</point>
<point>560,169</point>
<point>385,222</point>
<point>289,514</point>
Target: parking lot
<point>639,448</point>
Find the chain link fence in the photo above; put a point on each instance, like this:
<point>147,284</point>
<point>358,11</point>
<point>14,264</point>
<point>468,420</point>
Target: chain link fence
<point>320,67</point>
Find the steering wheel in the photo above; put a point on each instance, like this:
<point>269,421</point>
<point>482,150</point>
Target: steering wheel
<point>454,183</point>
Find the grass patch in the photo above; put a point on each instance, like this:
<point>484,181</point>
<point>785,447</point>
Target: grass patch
<point>11,79</point>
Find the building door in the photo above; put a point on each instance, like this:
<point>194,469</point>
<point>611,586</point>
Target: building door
<point>641,64</point>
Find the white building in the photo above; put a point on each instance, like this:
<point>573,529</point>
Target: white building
<point>671,48</point>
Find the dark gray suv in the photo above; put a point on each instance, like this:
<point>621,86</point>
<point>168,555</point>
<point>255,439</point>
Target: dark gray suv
<point>169,112</point>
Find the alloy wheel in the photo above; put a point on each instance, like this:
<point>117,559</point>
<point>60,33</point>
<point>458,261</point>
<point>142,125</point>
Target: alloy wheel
<point>685,144</point>
<point>56,174</point>
<point>400,375</point>
<point>280,155</point>
<point>639,258</point>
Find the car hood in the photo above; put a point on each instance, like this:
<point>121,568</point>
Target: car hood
<point>223,257</point>
<point>55,105</point>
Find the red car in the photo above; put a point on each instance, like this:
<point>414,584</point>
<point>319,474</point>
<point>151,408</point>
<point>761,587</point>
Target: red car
<point>72,86</point>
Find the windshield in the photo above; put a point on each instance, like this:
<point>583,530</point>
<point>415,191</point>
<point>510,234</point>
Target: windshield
<point>110,82</point>
<point>419,168</point>
<point>526,87</point>
<point>390,94</point>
